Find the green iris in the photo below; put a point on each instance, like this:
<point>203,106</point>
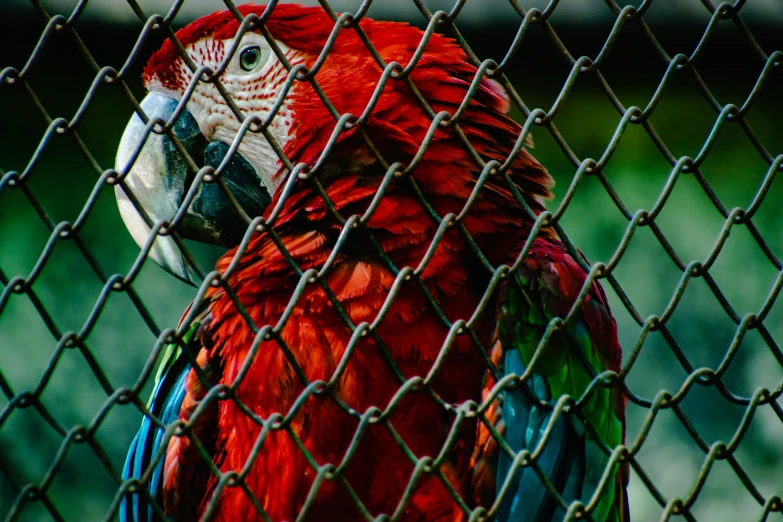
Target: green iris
<point>249,58</point>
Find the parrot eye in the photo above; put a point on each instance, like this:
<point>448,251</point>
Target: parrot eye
<point>249,57</point>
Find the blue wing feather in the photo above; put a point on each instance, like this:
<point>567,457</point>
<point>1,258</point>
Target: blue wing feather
<point>166,402</point>
<point>562,459</point>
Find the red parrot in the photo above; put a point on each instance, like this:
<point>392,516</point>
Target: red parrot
<point>360,282</point>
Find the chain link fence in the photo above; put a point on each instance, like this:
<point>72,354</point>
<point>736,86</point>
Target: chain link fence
<point>99,359</point>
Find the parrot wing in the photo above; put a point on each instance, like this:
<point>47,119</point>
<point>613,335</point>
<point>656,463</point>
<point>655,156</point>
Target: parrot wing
<point>165,404</point>
<point>545,287</point>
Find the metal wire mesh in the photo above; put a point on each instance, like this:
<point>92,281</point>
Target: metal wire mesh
<point>730,114</point>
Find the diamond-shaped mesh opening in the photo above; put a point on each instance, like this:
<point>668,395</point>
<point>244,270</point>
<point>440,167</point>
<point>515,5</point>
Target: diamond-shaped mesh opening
<point>663,137</point>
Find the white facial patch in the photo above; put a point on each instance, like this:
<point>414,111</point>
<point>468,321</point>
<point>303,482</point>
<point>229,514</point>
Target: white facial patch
<point>254,92</point>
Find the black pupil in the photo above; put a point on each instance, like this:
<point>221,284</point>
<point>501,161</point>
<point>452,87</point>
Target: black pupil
<point>249,58</point>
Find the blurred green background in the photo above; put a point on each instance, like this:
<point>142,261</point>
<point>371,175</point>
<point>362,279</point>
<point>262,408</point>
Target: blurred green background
<point>67,287</point>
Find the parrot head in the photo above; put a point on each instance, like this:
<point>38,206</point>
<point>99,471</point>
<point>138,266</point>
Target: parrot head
<point>257,82</point>
<point>158,175</point>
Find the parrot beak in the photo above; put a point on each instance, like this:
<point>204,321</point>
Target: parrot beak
<point>160,178</point>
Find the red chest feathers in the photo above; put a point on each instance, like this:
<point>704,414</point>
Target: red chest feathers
<point>404,339</point>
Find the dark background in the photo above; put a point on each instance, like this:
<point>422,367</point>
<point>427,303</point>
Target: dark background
<point>82,488</point>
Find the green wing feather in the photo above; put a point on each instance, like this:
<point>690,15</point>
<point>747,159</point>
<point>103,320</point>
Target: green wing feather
<point>546,287</point>
<point>164,402</point>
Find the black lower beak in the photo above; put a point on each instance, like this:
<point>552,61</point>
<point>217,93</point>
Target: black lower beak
<point>213,217</point>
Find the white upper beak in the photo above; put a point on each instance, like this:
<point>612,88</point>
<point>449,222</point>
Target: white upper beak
<point>147,179</point>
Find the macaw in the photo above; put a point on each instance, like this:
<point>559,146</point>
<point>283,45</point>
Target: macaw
<point>376,471</point>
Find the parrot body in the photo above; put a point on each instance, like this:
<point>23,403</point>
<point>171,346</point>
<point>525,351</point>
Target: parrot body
<point>315,336</point>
